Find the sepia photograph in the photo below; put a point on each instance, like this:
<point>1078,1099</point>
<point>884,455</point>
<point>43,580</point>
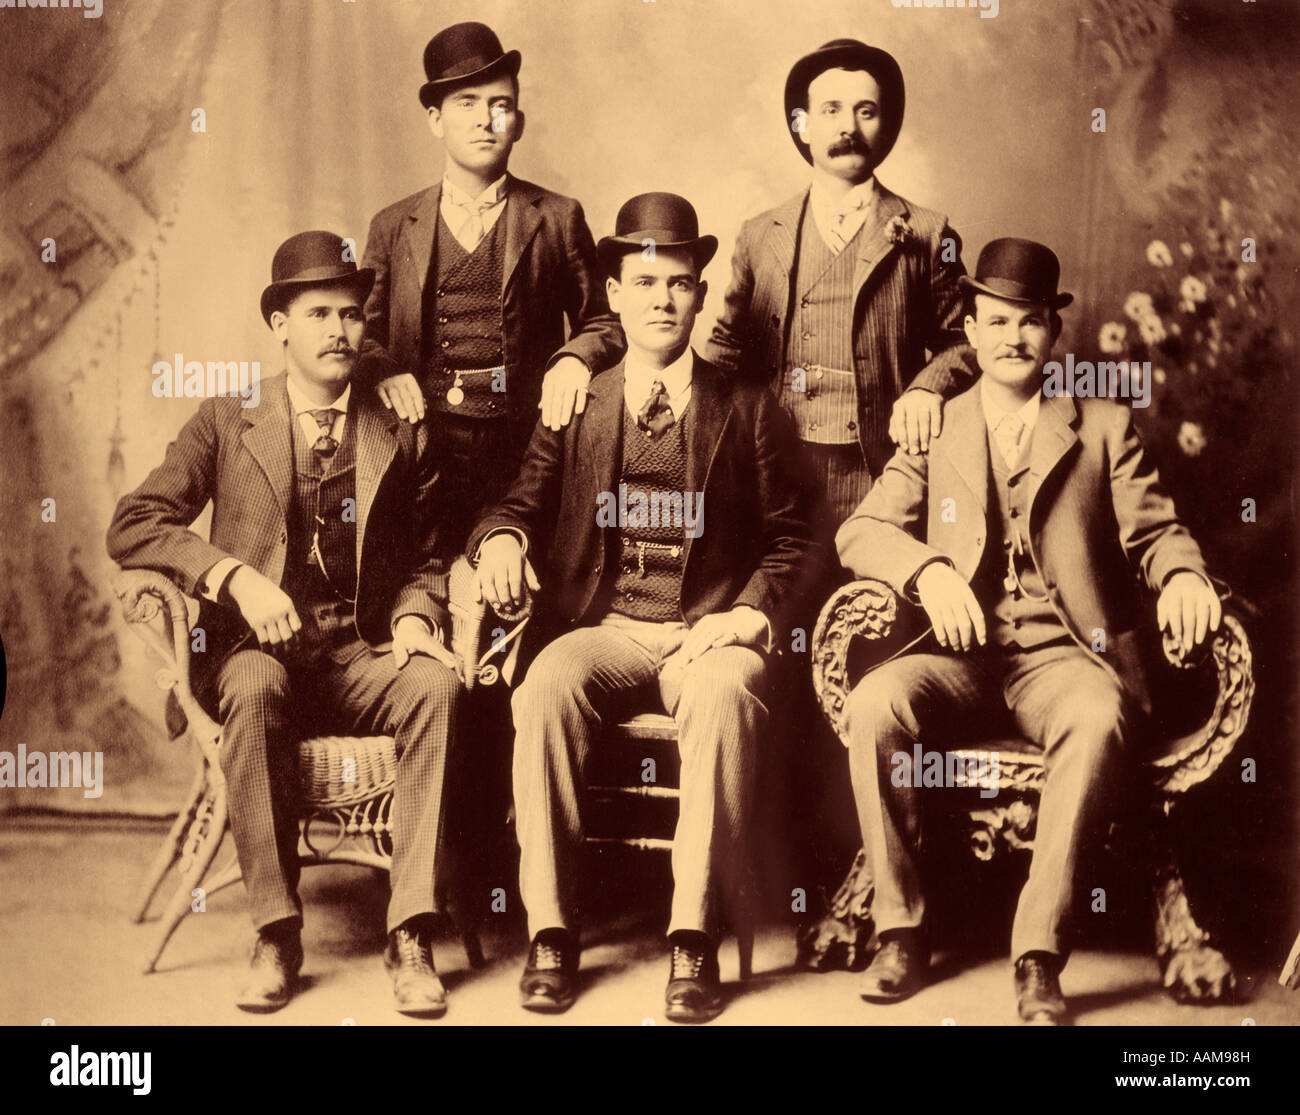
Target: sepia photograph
<point>649,513</point>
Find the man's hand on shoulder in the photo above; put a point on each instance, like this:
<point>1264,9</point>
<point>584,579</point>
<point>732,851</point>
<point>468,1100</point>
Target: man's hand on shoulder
<point>1188,609</point>
<point>402,393</point>
<point>564,392</point>
<point>955,614</point>
<point>266,607</point>
<point>916,418</point>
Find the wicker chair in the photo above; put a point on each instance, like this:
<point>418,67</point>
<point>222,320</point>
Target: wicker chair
<point>861,624</point>
<point>345,782</point>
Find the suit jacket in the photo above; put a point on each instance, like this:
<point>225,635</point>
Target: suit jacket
<point>906,300</point>
<point>242,460</point>
<point>550,271</point>
<point>756,545</point>
<point>1098,519</point>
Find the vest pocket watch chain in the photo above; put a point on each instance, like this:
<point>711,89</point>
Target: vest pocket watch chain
<point>1011,582</point>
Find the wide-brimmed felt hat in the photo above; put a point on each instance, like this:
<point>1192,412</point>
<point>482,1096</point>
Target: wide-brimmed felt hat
<point>666,219</point>
<point>462,53</point>
<point>849,54</point>
<point>1018,271</point>
<point>311,259</point>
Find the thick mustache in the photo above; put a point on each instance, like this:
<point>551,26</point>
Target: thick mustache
<point>342,350</point>
<point>849,145</point>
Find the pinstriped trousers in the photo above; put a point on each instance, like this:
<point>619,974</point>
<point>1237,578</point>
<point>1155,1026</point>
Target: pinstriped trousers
<point>718,703</point>
<point>267,705</point>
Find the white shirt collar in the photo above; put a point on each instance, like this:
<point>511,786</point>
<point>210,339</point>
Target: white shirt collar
<point>676,377</point>
<point>493,195</point>
<point>859,197</point>
<point>993,414</point>
<point>300,404</point>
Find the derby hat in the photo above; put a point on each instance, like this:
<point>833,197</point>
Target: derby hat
<point>463,53</point>
<point>848,54</point>
<point>1018,271</point>
<point>311,259</point>
<point>667,219</point>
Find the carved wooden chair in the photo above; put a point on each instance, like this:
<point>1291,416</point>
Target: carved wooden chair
<point>345,782</point>
<point>860,624</point>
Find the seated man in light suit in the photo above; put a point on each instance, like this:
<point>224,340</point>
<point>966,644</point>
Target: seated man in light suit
<point>690,604</point>
<point>324,600</point>
<point>1022,534</point>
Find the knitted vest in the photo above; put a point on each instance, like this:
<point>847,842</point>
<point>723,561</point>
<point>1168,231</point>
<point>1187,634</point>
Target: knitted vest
<point>824,401</point>
<point>463,325</point>
<point>652,547</point>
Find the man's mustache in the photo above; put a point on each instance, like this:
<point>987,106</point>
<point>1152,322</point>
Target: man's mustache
<point>849,145</point>
<point>342,350</point>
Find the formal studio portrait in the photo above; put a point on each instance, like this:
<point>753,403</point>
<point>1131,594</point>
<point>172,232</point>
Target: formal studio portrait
<point>627,512</point>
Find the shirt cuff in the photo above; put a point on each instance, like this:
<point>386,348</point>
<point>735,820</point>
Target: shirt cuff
<point>519,534</point>
<point>433,628</point>
<point>214,580</point>
<point>909,587</point>
<point>1184,569</point>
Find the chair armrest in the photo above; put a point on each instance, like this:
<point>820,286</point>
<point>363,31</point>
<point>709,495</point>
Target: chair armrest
<point>864,609</point>
<point>1192,758</point>
<point>155,609</point>
<point>483,655</point>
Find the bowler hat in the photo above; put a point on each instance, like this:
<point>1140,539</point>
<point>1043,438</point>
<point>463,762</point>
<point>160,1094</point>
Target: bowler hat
<point>666,219</point>
<point>848,54</point>
<point>1018,271</point>
<point>312,259</point>
<point>461,53</point>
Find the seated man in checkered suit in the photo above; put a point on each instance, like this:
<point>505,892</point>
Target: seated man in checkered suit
<point>323,599</point>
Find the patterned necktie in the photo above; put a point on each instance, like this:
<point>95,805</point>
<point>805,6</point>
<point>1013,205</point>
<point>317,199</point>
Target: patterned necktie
<point>655,415</point>
<point>325,444</point>
<point>1007,435</point>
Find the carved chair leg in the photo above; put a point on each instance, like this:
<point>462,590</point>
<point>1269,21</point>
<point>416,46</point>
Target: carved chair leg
<point>473,949</point>
<point>745,949</point>
<point>170,850</point>
<point>204,838</point>
<point>1193,970</point>
<point>844,937</point>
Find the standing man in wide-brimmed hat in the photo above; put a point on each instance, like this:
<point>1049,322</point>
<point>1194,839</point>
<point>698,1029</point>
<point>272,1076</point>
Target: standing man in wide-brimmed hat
<point>474,278</point>
<point>323,597</point>
<point>840,295</point>
<point>669,527</point>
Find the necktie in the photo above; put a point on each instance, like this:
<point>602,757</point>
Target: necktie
<point>655,415</point>
<point>325,445</point>
<point>475,229</point>
<point>1007,435</point>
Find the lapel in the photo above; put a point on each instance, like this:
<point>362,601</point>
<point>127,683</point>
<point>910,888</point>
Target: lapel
<point>422,229</point>
<point>602,428</point>
<point>1054,437</point>
<point>873,242</point>
<point>712,405</point>
<point>268,440</point>
<point>522,219</point>
<point>375,446</point>
<point>965,442</point>
<point>782,238</point>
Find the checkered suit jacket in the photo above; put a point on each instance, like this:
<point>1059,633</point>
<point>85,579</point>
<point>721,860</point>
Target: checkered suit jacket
<point>241,459</point>
<point>906,301</point>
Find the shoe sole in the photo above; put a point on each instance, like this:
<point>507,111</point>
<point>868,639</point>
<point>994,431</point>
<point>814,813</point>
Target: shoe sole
<point>885,998</point>
<point>546,1004</point>
<point>431,1011</point>
<point>692,1018</point>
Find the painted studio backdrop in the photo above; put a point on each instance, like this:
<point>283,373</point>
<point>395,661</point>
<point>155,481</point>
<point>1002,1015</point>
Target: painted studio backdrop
<point>165,217</point>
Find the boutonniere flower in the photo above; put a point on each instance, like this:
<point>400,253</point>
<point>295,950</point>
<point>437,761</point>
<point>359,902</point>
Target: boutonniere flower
<point>899,231</point>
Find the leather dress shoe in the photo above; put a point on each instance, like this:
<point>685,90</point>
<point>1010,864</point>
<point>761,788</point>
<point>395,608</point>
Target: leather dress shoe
<point>273,973</point>
<point>550,980</point>
<point>897,971</point>
<point>694,992</point>
<point>417,990</point>
<point>1038,989</point>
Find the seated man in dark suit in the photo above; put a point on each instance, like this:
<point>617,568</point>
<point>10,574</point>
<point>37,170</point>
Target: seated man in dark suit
<point>1022,534</point>
<point>648,592</point>
<point>323,556</point>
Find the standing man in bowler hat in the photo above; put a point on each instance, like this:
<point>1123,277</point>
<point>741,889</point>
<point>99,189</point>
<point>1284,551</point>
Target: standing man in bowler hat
<point>324,600</point>
<point>474,278</point>
<point>1030,526</point>
<point>690,604</point>
<point>838,295</point>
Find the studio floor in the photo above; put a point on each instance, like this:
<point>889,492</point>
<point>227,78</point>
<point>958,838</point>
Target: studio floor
<point>71,955</point>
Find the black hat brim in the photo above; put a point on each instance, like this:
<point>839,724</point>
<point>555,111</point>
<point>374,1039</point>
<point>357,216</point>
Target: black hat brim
<point>879,63</point>
<point>1056,301</point>
<point>611,249</point>
<point>508,63</point>
<point>275,295</point>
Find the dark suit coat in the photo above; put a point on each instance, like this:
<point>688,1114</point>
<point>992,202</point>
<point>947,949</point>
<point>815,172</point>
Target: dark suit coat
<point>550,271</point>
<point>1098,518</point>
<point>756,544</point>
<point>906,300</point>
<point>242,460</point>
